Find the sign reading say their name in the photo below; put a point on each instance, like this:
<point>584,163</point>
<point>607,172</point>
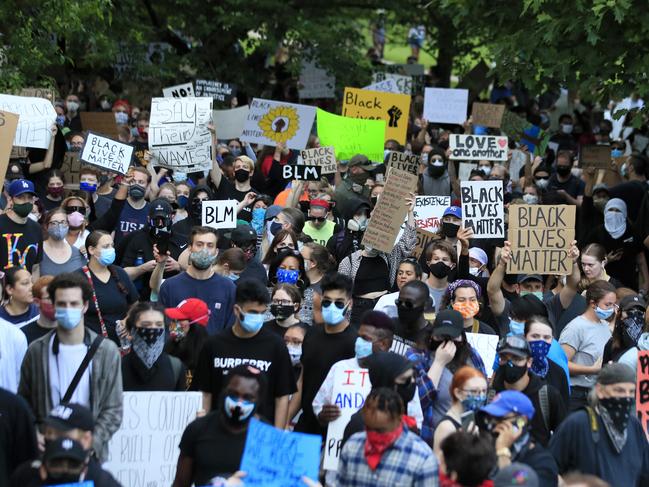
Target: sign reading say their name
<point>324,157</point>
<point>405,162</point>
<point>350,388</point>
<point>445,105</point>
<point>273,122</point>
<point>429,210</point>
<point>144,450</point>
<point>470,147</point>
<point>106,153</point>
<point>37,115</point>
<point>179,137</point>
<point>179,91</point>
<point>301,172</point>
<point>219,213</point>
<point>540,236</point>
<point>642,390</point>
<point>483,208</point>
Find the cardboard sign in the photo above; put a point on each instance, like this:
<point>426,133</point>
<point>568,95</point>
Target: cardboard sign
<point>483,208</point>
<point>390,211</point>
<point>271,122</point>
<point>387,86</point>
<point>315,82</point>
<point>446,105</point>
<point>477,79</point>
<point>351,136</point>
<point>597,156</point>
<point>428,211</point>
<point>642,390</point>
<point>513,125</point>
<point>106,153</point>
<point>403,82</point>
<point>487,114</point>
<point>470,147</point>
<point>540,236</point>
<point>486,346</point>
<point>219,92</point>
<point>179,91</point>
<point>276,458</point>
<point>404,162</point>
<point>219,214</point>
<point>36,117</point>
<point>144,450</point>
<point>47,93</point>
<point>178,134</point>
<point>464,172</point>
<point>424,238</point>
<point>323,157</point>
<point>350,388</point>
<point>377,105</point>
<point>70,168</point>
<point>8,126</point>
<point>229,123</point>
<point>100,122</point>
<point>302,172</point>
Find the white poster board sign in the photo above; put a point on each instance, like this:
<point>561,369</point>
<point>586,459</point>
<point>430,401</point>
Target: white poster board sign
<point>144,450</point>
<point>37,115</point>
<point>229,123</point>
<point>387,86</point>
<point>446,105</point>
<point>486,346</point>
<point>271,122</point>
<point>403,82</point>
<point>315,82</point>
<point>483,208</point>
<point>428,211</point>
<point>219,213</point>
<point>468,147</point>
<point>106,153</point>
<point>179,137</point>
<point>179,91</point>
<point>464,172</point>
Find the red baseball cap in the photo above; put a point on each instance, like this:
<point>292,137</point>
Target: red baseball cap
<point>193,309</point>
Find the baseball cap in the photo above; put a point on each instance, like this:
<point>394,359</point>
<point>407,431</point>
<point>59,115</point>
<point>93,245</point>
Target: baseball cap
<point>243,234</point>
<point>362,161</point>
<point>160,207</point>
<point>70,416</point>
<point>448,322</point>
<point>456,211</point>
<point>616,373</point>
<point>516,474</point>
<point>508,402</point>
<point>600,187</point>
<point>64,448</point>
<point>478,254</point>
<point>272,211</point>
<point>514,345</point>
<point>633,301</point>
<point>193,309</point>
<point>530,277</point>
<point>20,186</point>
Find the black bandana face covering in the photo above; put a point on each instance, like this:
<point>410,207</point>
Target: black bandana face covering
<point>619,410</point>
<point>148,344</point>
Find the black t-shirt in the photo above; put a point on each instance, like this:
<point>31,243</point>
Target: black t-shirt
<point>33,331</point>
<point>373,275</point>
<point>215,451</point>
<point>228,191</point>
<point>264,351</point>
<point>541,461</point>
<point>573,186</point>
<point>320,351</point>
<point>28,475</point>
<point>17,434</point>
<point>20,242</point>
<point>278,329</point>
<point>162,376</point>
<point>49,204</point>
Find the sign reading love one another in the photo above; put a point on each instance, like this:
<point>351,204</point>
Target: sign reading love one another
<point>469,147</point>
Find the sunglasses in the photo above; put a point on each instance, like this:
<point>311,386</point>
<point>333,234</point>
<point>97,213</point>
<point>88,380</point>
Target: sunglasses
<point>318,219</point>
<point>327,302</point>
<point>405,304</point>
<point>71,209</point>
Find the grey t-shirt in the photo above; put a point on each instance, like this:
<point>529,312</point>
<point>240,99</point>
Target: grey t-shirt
<point>588,339</point>
<point>51,268</point>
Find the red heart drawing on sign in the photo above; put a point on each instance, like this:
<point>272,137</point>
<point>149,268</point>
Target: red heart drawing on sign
<point>502,142</point>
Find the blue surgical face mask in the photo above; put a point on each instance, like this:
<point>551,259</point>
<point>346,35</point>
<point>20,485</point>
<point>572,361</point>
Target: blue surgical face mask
<point>182,201</point>
<point>106,256</point>
<point>332,314</point>
<point>180,177</point>
<point>121,118</point>
<point>604,314</point>
<point>252,322</point>
<point>516,327</point>
<point>233,277</point>
<point>288,276</point>
<point>68,318</point>
<point>538,294</point>
<point>235,151</point>
<point>60,120</point>
<point>86,186</point>
<point>617,153</point>
<point>363,348</point>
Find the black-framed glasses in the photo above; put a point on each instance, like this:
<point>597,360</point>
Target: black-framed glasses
<point>405,304</point>
<point>327,302</point>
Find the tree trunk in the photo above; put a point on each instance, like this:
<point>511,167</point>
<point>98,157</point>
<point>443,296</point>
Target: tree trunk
<point>446,36</point>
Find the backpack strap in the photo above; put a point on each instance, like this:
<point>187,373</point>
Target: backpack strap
<point>82,368</point>
<point>544,402</point>
<point>594,425</point>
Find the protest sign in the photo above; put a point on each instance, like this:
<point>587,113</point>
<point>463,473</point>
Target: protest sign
<point>100,122</point>
<point>387,85</point>
<point>350,388</point>
<point>428,211</point>
<point>405,162</point>
<point>483,209</point>
<point>486,346</point>
<point>36,118</point>
<point>351,136</point>
<point>517,162</point>
<point>144,450</point>
<point>540,236</point>
<point>513,125</point>
<point>477,79</point>
<point>315,82</point>
<point>273,122</point>
<point>445,105</point>
<point>106,153</point>
<point>423,239</point>
<point>179,91</point>
<point>403,82</point>
<point>219,213</point>
<point>219,92</point>
<point>47,93</point>
<point>597,156</point>
<point>178,134</point>
<point>642,390</point>
<point>229,123</point>
<point>8,126</point>
<point>302,172</point>
<point>377,105</point>
<point>277,458</point>
<point>390,211</point>
<point>323,157</point>
<point>470,147</point>
<point>70,169</point>
<point>464,172</point>
<point>487,114</point>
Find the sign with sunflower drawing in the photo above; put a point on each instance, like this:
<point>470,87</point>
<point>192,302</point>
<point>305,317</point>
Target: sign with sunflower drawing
<point>273,122</point>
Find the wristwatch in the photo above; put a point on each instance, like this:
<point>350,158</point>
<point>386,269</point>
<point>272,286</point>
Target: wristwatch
<point>504,452</point>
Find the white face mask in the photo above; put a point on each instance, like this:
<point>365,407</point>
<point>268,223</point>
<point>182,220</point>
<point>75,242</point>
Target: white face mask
<point>530,199</point>
<point>486,170</point>
<point>566,128</point>
<point>542,183</point>
<point>475,271</point>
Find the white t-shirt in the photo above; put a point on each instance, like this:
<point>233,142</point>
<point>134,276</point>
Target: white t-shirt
<point>386,305</point>
<point>13,346</point>
<point>63,367</point>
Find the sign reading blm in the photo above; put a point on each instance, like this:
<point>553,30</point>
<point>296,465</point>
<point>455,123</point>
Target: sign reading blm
<point>219,214</point>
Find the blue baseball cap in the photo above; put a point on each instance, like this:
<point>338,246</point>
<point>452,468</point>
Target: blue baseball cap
<point>20,186</point>
<point>508,402</point>
<point>456,211</point>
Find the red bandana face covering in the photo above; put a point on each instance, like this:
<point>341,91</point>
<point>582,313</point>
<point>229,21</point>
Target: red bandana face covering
<point>377,443</point>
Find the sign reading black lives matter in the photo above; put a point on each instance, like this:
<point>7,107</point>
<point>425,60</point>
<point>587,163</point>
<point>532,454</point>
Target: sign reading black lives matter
<point>483,208</point>
<point>403,161</point>
<point>469,147</point>
<point>324,157</point>
<point>106,153</point>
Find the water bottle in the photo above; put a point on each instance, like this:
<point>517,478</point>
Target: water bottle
<point>139,260</point>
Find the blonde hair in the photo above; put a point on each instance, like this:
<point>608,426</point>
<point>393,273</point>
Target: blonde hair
<point>247,161</point>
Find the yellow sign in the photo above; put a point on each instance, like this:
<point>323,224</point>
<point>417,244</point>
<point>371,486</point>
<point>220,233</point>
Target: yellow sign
<point>377,105</point>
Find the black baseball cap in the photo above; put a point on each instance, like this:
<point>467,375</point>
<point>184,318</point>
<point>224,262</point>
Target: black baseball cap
<point>64,448</point>
<point>243,234</point>
<point>448,322</point>
<point>515,345</point>
<point>634,301</point>
<point>66,417</point>
<point>160,207</point>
